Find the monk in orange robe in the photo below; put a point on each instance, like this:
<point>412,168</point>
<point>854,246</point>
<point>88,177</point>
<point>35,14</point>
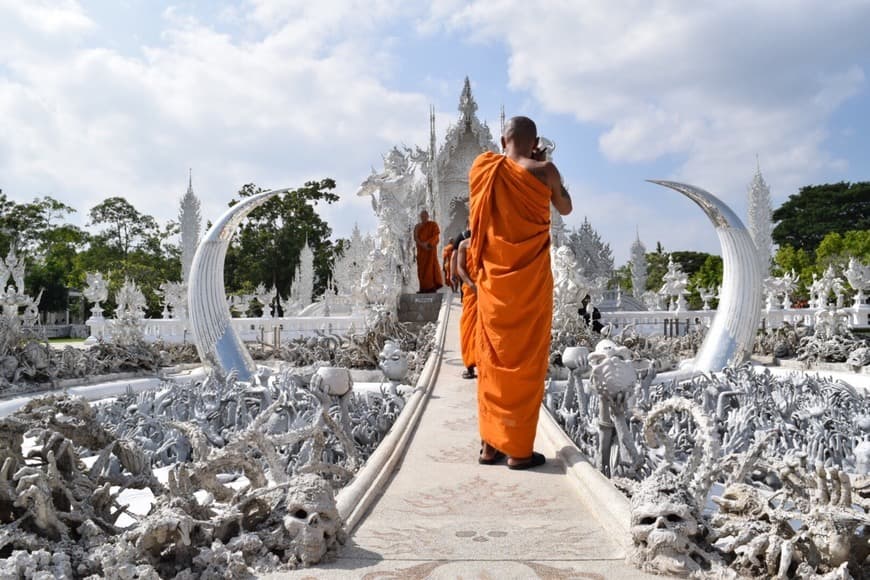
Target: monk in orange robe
<point>468,321</point>
<point>510,216</point>
<point>426,235</point>
<point>446,256</point>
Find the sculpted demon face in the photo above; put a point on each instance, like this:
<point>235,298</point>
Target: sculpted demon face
<point>664,526</point>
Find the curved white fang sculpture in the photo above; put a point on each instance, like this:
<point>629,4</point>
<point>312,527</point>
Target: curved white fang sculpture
<point>731,336</point>
<point>218,345</point>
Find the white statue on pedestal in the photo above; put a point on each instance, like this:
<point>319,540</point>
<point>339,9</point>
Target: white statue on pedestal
<point>858,276</point>
<point>266,298</point>
<point>707,294</point>
<point>97,291</point>
<point>675,285</point>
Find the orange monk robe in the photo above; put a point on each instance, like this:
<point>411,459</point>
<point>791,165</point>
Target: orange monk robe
<point>446,254</point>
<point>468,319</point>
<point>510,218</point>
<point>428,268</point>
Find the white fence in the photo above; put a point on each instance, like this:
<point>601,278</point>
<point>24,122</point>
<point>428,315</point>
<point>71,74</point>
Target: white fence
<point>266,330</point>
<point>677,323</point>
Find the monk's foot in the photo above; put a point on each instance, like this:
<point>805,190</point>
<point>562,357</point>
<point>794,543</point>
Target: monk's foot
<point>536,460</point>
<point>489,455</point>
<point>469,373</point>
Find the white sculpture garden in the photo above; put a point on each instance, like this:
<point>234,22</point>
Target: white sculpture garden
<point>255,458</point>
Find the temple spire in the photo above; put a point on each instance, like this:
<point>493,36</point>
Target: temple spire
<point>467,105</point>
<point>501,126</point>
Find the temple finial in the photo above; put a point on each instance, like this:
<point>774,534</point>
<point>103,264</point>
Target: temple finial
<point>467,106</point>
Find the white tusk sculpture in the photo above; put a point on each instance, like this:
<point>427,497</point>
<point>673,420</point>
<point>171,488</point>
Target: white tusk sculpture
<point>732,333</point>
<point>218,345</point>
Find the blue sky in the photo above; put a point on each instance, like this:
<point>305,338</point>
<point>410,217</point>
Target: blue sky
<point>103,98</point>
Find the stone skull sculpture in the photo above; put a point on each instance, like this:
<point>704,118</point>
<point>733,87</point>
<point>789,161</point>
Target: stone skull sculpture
<point>664,526</point>
<point>312,522</point>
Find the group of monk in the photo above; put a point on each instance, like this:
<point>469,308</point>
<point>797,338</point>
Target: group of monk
<point>507,288</point>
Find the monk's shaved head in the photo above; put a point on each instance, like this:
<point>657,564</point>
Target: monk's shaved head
<point>522,131</point>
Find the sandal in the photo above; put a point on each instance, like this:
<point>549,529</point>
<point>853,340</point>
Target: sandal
<point>497,457</point>
<point>469,374</point>
<point>536,460</point>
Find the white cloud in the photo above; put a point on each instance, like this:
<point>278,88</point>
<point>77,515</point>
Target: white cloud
<point>709,83</point>
<point>279,109</point>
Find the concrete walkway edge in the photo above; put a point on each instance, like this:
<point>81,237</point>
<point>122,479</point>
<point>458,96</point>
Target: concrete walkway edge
<point>610,507</point>
<point>355,499</point>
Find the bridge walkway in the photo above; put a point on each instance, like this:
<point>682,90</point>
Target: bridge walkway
<point>445,516</point>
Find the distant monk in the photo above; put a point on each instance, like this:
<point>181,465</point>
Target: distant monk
<point>510,216</point>
<point>446,257</point>
<point>426,235</point>
<point>468,321</point>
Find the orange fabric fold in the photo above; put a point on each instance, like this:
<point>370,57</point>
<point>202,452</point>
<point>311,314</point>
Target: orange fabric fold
<point>510,248</point>
<point>428,268</point>
<point>468,319</point>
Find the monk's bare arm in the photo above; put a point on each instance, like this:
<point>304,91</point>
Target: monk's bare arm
<point>559,196</point>
<point>454,264</point>
<point>460,265</point>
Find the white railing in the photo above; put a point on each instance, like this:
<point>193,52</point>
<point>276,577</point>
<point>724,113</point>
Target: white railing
<point>677,323</point>
<point>249,329</point>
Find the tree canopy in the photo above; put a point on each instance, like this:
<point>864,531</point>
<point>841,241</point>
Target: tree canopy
<point>266,246</point>
<point>817,210</point>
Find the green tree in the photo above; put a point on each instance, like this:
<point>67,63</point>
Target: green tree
<point>708,275</point>
<point>817,210</point>
<point>131,245</point>
<point>836,249</point>
<point>266,246</point>
<point>124,227</point>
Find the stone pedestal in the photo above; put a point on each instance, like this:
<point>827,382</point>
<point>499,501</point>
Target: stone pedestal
<point>419,307</point>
